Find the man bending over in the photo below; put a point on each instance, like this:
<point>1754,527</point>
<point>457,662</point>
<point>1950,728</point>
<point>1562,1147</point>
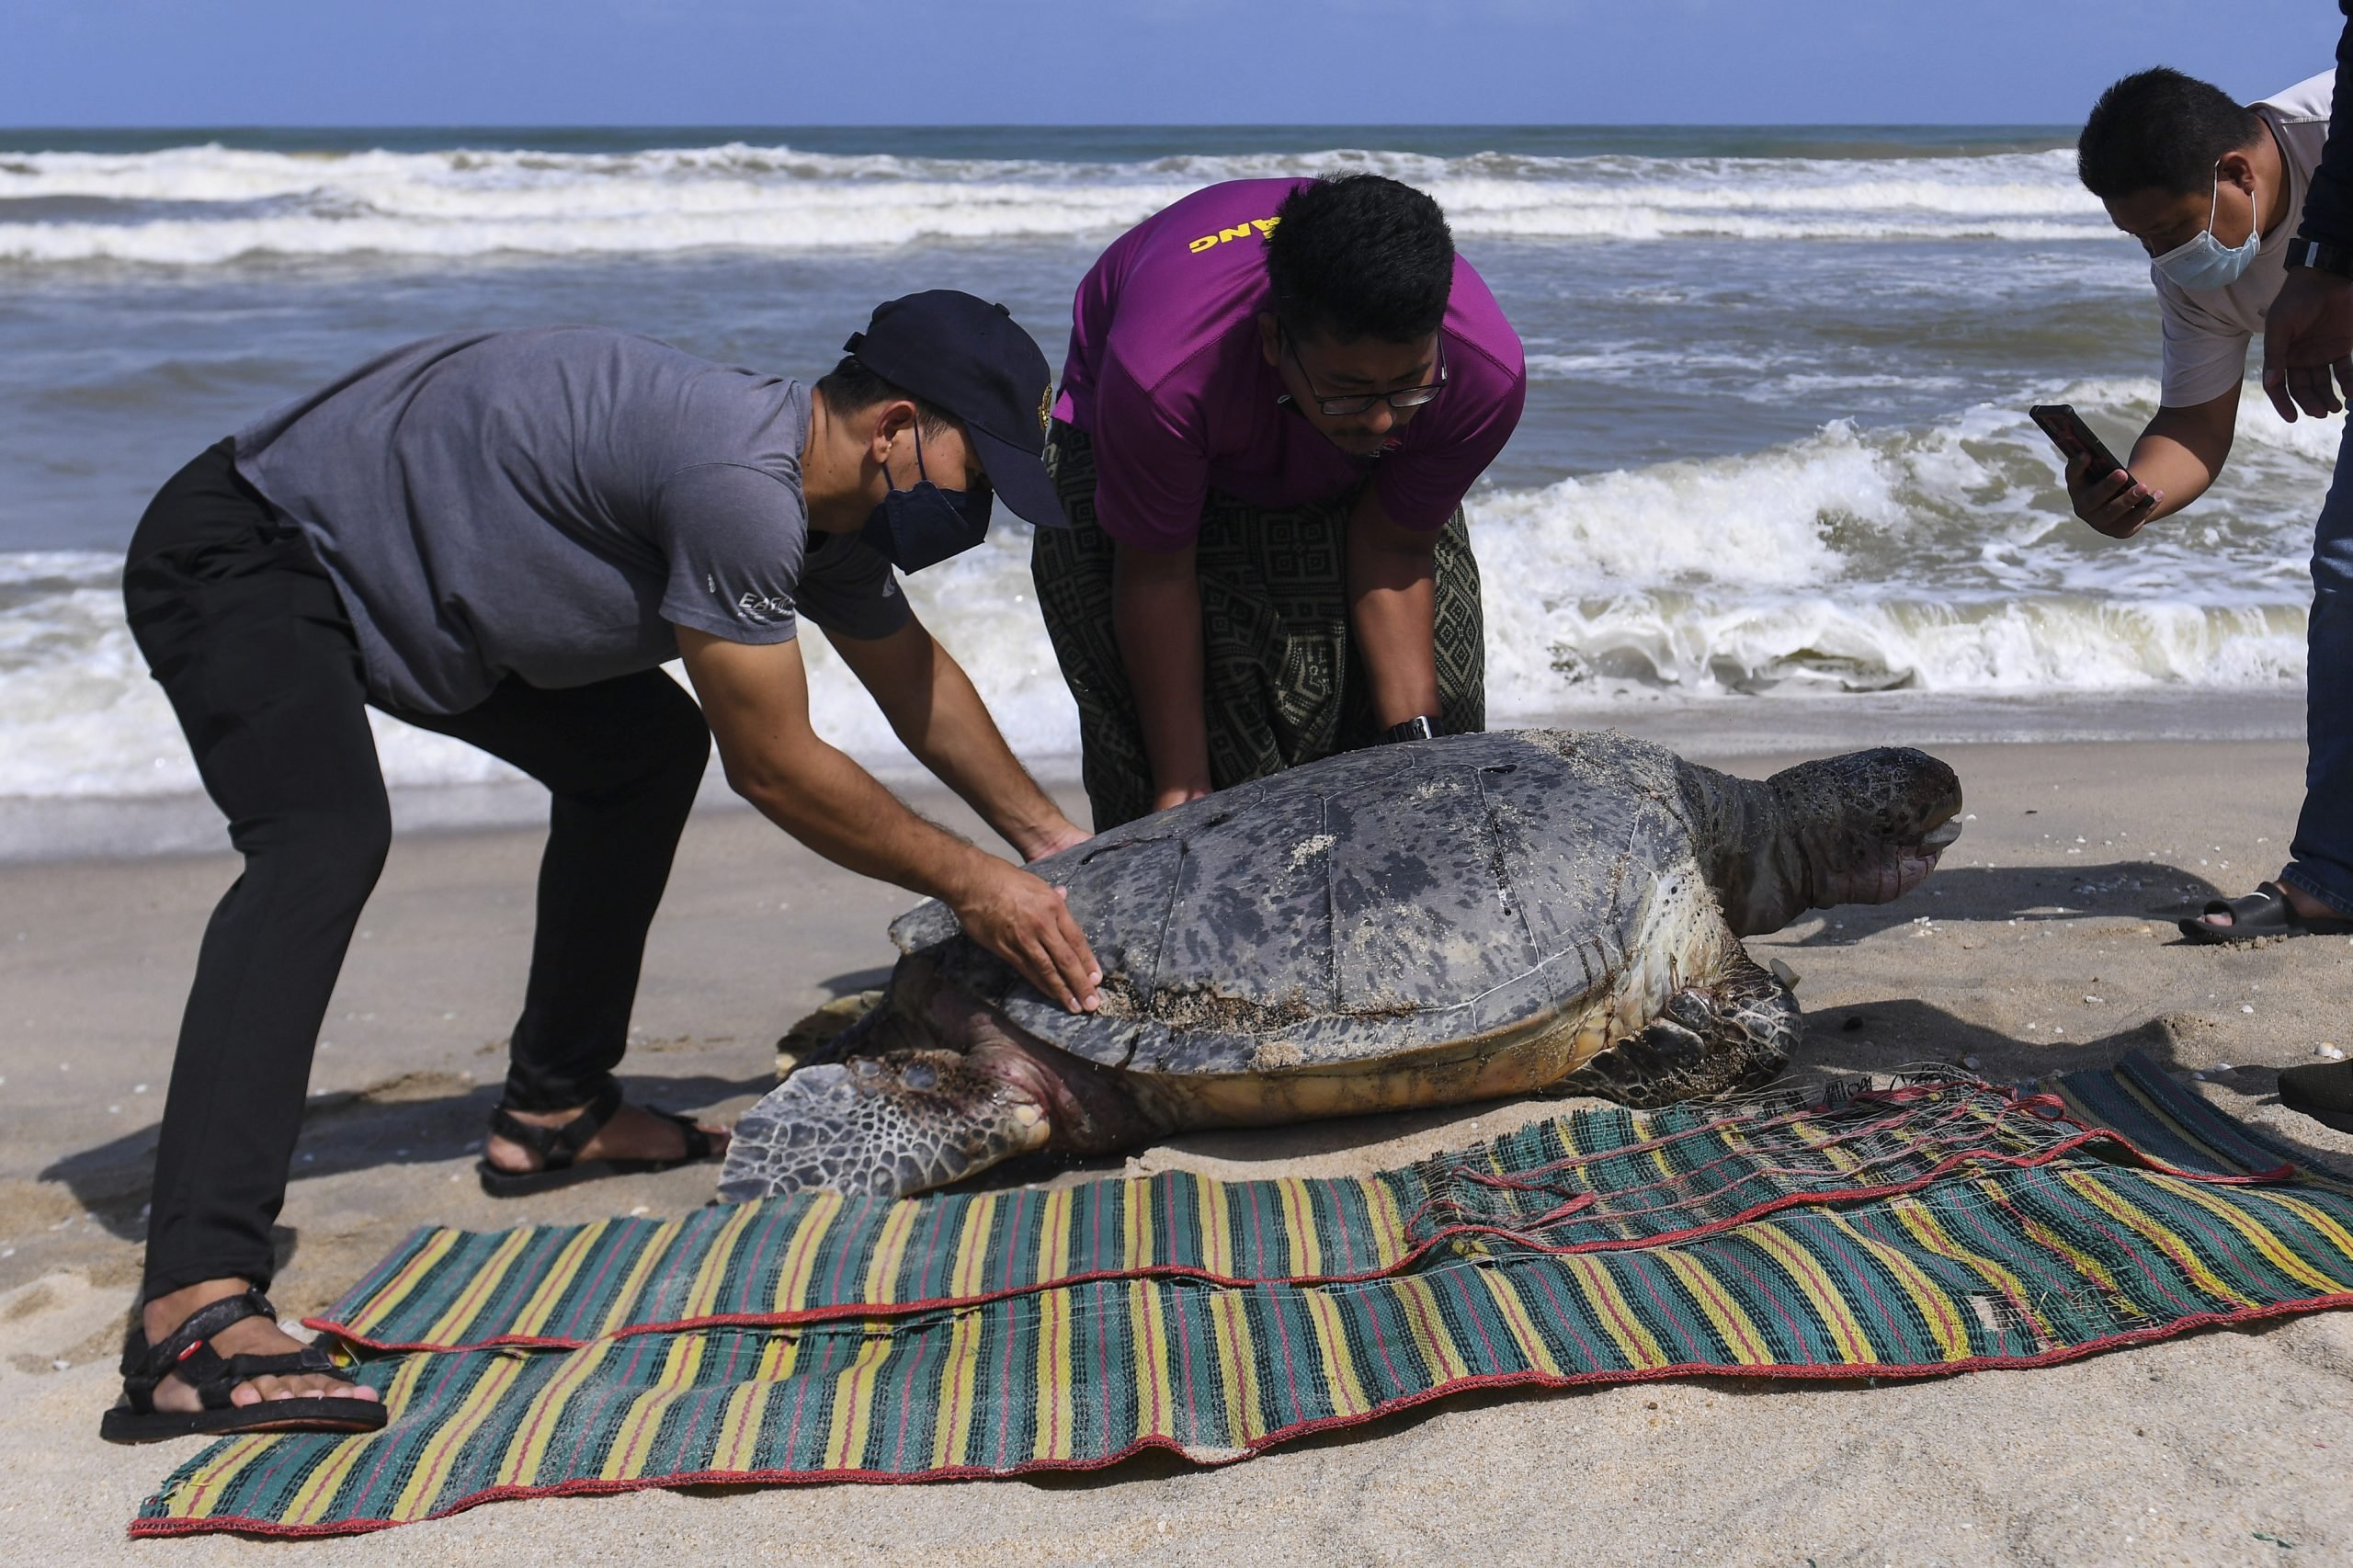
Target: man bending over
<point>1277,395</point>
<point>502,537</point>
<point>2214,191</point>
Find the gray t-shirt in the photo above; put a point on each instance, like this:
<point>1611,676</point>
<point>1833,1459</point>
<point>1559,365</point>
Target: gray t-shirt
<point>549,503</point>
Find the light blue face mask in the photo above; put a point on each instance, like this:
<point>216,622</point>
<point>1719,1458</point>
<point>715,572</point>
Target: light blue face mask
<point>2204,263</point>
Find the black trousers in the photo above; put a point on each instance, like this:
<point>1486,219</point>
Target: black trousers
<point>248,637</point>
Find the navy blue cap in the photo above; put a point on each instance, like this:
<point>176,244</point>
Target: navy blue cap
<point>970,358</point>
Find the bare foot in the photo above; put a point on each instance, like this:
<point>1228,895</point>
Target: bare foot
<point>632,1134</point>
<point>246,1337</point>
<point>2306,906</point>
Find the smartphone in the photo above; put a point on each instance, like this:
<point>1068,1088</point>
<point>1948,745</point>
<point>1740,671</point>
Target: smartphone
<point>2074,438</point>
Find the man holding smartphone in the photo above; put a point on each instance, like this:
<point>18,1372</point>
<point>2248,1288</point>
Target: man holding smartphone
<point>2211,190</point>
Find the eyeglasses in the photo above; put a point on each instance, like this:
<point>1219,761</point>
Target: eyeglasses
<point>1404,397</point>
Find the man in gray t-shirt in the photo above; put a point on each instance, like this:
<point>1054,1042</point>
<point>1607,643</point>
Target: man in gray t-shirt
<point>503,536</point>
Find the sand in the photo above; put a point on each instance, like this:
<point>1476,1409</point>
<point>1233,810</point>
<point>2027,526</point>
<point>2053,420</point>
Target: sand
<point>2031,951</point>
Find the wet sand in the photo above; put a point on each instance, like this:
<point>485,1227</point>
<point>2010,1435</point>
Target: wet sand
<point>2033,951</point>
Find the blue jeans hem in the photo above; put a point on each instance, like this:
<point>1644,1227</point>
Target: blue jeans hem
<point>2335,892</point>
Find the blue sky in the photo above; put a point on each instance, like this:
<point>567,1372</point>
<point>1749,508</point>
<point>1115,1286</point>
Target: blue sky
<point>140,62</point>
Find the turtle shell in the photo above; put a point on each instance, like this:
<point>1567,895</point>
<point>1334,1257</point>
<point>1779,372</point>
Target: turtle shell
<point>1375,903</point>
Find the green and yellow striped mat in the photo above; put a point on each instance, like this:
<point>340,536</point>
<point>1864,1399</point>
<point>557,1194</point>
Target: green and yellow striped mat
<point>1933,1228</point>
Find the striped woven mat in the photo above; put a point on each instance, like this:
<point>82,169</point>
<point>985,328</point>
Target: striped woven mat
<point>1933,1228</point>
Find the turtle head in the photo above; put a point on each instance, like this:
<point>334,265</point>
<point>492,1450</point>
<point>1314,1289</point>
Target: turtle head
<point>1870,824</point>
<point>1865,827</point>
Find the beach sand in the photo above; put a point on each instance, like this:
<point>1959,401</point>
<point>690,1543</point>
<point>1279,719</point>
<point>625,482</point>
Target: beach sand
<point>2031,951</point>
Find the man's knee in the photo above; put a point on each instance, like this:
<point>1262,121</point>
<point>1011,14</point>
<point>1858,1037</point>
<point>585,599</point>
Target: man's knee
<point>2331,600</point>
<point>332,855</point>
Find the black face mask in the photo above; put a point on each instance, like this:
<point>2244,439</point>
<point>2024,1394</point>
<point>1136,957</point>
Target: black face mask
<point>923,527</point>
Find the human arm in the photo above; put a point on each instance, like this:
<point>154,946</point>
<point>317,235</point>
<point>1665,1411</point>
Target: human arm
<point>933,708</point>
<point>2172,464</point>
<point>1393,599</point>
<point>2308,339</point>
<point>1417,488</point>
<point>1156,618</point>
<point>2308,330</point>
<point>2328,201</point>
<point>756,698</point>
<point>1150,449</point>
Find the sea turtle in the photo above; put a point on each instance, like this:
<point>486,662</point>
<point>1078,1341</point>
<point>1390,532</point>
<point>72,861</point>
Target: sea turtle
<point>1412,925</point>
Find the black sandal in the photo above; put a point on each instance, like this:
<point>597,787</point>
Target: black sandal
<point>2322,1090</point>
<point>2266,912</point>
<point>188,1351</point>
<point>559,1148</point>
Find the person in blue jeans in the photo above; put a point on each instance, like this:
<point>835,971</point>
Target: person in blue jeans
<point>2307,360</point>
<point>2247,213</point>
<point>2213,189</point>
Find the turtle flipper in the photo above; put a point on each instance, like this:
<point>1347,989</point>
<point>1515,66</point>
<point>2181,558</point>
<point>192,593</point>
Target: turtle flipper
<point>890,1125</point>
<point>1707,1041</point>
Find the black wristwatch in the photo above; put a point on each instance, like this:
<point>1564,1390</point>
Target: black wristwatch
<point>1420,727</point>
<point>2321,256</point>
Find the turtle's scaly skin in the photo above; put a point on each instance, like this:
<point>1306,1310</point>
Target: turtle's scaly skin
<point>1413,925</point>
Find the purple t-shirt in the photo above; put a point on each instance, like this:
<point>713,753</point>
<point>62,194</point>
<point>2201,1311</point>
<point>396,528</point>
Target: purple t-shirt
<point>1167,375</point>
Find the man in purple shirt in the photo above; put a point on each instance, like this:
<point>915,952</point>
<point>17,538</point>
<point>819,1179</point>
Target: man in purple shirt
<point>1278,394</point>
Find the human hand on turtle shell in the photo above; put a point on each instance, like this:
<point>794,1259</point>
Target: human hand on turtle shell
<point>1167,797</point>
<point>1065,834</point>
<point>1027,923</point>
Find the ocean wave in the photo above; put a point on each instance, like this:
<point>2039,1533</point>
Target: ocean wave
<point>80,716</point>
<point>1938,559</point>
<point>195,206</point>
<point>2013,646</point>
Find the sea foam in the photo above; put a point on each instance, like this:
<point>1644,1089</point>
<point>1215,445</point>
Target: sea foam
<point>1935,559</point>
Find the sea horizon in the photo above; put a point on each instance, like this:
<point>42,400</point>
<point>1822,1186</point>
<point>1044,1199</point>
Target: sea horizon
<point>1109,140</point>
